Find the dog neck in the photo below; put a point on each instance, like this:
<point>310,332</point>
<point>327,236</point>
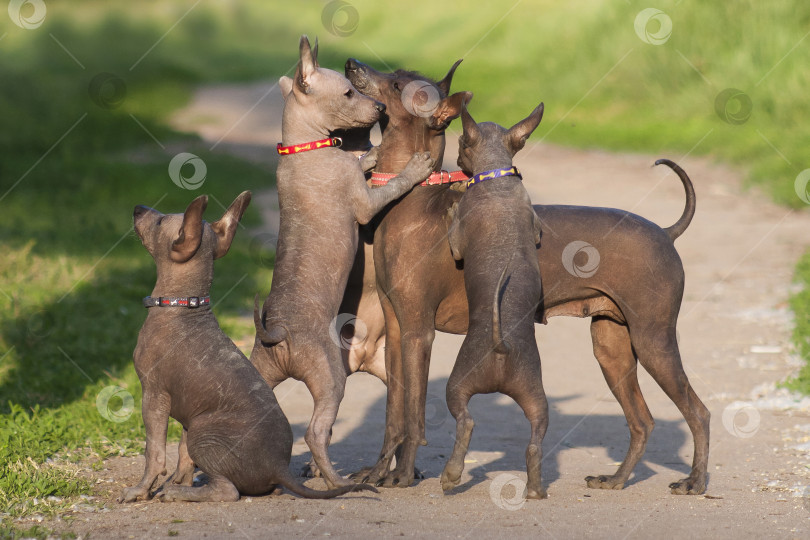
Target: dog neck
<point>399,143</point>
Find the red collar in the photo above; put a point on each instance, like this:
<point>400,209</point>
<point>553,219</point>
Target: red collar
<point>314,145</point>
<point>435,179</point>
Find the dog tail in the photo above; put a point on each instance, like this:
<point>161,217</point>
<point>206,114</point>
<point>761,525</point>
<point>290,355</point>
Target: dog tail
<point>273,336</point>
<point>500,346</point>
<point>689,211</point>
<point>299,489</point>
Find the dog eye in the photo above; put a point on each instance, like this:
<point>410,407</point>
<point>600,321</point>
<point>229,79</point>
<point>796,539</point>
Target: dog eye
<point>396,86</point>
<point>160,220</point>
<point>349,93</point>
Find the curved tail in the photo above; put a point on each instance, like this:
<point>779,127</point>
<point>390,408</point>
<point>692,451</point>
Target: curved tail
<point>289,482</point>
<point>689,211</point>
<point>273,336</point>
<point>500,346</point>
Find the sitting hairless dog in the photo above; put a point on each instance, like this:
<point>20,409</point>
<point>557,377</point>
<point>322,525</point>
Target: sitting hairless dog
<point>323,196</point>
<point>494,230</point>
<point>633,297</point>
<point>233,428</point>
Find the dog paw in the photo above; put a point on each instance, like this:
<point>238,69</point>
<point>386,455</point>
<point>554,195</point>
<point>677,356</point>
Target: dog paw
<point>398,478</point>
<point>310,470</point>
<point>419,167</point>
<point>132,494</point>
<point>536,494</point>
<point>688,486</point>
<point>604,482</point>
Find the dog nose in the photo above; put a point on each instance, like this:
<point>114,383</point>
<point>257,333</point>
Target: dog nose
<point>351,64</point>
<point>380,107</point>
<point>140,210</point>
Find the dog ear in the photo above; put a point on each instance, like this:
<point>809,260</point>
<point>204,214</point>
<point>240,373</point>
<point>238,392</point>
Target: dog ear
<point>518,133</point>
<point>307,64</point>
<point>190,235</point>
<point>449,109</point>
<point>471,131</point>
<point>454,233</point>
<point>225,227</point>
<point>286,85</point>
<point>444,84</point>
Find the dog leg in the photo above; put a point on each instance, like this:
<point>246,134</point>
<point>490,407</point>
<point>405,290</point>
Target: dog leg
<point>457,400</point>
<point>611,346</point>
<point>531,397</point>
<point>657,350</point>
<point>184,473</point>
<point>395,401</point>
<point>327,384</point>
<point>156,409</point>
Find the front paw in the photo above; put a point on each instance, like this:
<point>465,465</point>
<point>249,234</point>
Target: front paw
<point>132,494</point>
<point>369,160</point>
<point>419,167</point>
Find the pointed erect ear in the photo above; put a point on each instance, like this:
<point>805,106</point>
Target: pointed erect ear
<point>471,131</point>
<point>190,235</point>
<point>444,84</point>
<point>518,133</point>
<point>286,85</point>
<point>307,64</point>
<point>449,109</point>
<point>225,227</point>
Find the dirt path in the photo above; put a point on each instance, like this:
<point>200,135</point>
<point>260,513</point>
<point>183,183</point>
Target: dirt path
<point>739,254</point>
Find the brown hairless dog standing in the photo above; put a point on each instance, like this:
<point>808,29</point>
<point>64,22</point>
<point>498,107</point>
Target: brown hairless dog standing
<point>323,196</point>
<point>495,231</point>
<point>633,298</point>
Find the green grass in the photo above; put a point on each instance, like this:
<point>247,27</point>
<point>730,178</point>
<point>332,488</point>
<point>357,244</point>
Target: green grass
<point>72,275</point>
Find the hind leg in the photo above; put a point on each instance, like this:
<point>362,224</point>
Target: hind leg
<point>458,398</point>
<point>531,397</point>
<point>611,346</point>
<point>184,473</point>
<point>657,350</point>
<point>326,384</point>
<point>218,489</point>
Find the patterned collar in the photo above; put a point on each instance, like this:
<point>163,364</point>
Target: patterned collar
<point>337,142</point>
<point>495,173</point>
<point>190,302</point>
<point>435,179</point>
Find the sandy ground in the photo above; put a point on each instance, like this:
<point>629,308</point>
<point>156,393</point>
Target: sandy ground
<point>734,327</point>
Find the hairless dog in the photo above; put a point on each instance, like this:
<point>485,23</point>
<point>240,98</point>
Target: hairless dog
<point>323,196</point>
<point>233,428</point>
<point>495,231</point>
<point>633,296</point>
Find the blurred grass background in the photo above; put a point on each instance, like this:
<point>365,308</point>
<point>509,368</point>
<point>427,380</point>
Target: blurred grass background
<point>72,272</point>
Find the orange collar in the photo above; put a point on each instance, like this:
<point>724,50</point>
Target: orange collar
<point>435,179</point>
<point>314,145</point>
